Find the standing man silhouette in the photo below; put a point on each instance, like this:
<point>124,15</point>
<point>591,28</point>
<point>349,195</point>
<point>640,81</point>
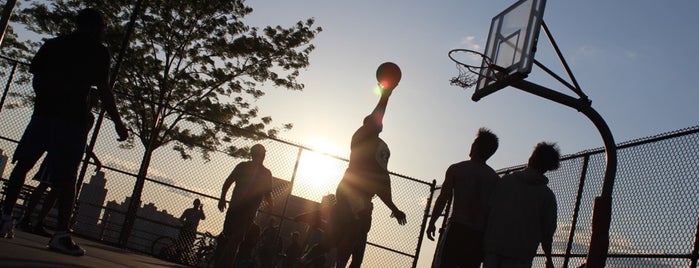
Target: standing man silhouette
<point>190,222</point>
<point>471,183</point>
<point>65,68</point>
<point>253,182</point>
<point>523,213</point>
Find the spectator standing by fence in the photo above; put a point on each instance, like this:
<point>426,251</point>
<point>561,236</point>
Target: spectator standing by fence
<point>190,222</point>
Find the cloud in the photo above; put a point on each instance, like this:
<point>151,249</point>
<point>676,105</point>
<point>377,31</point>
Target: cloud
<point>469,43</point>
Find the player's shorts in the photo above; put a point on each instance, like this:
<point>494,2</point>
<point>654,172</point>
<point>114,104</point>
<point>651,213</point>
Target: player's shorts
<point>347,228</point>
<point>237,223</point>
<point>62,140</point>
<point>460,246</point>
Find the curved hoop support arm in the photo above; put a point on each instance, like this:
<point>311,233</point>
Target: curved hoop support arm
<point>602,209</point>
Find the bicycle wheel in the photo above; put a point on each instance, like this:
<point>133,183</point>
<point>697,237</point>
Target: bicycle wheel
<point>161,246</point>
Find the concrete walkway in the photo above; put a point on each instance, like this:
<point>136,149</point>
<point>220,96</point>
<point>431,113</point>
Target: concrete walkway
<point>29,250</point>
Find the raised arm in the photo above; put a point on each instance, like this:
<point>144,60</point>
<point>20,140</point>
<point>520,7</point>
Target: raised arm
<point>380,110</point>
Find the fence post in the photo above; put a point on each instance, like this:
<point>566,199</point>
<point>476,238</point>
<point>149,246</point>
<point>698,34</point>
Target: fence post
<point>426,215</point>
<point>7,85</point>
<point>291,188</point>
<point>695,251</point>
<point>447,210</point>
<point>576,209</point>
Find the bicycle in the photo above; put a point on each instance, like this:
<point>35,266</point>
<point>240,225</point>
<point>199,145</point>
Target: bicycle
<point>198,255</point>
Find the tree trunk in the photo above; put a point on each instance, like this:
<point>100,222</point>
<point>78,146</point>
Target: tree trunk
<point>135,201</point>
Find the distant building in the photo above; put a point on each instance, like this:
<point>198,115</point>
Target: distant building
<point>151,225</point>
<point>90,201</point>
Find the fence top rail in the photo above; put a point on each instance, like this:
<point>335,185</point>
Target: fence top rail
<point>632,143</point>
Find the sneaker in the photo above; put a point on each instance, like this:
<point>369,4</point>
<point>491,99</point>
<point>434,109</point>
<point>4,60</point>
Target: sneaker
<point>63,243</point>
<point>7,228</point>
<point>40,230</point>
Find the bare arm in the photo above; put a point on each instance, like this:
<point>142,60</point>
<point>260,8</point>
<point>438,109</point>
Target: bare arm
<point>439,205</point>
<point>226,185</point>
<point>445,194</point>
<point>380,109</point>
<point>109,105</point>
<point>386,198</point>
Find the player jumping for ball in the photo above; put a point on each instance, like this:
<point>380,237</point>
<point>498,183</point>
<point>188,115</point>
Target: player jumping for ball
<point>366,176</point>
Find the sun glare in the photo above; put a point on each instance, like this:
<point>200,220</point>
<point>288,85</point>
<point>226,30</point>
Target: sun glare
<point>318,173</point>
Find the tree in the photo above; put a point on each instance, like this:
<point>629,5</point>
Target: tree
<point>191,70</point>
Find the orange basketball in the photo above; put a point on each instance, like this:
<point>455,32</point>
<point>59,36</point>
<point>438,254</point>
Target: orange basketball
<point>388,74</point>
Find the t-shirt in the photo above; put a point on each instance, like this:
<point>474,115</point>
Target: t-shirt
<point>65,68</point>
<point>367,173</point>
<point>473,184</point>
<point>369,162</point>
<point>253,183</point>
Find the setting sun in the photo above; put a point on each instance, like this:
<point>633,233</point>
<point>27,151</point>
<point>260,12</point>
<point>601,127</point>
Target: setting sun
<point>319,171</point>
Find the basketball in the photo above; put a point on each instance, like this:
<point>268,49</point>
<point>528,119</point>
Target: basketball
<point>388,74</point>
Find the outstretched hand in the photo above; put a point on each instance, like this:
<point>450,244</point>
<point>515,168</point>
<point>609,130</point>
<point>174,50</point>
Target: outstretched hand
<point>221,204</point>
<point>122,131</point>
<point>386,92</point>
<point>400,216</point>
<point>430,231</point>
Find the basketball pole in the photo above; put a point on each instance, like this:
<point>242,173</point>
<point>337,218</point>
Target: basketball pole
<point>602,207</point>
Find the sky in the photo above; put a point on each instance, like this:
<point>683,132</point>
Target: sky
<point>635,60</point>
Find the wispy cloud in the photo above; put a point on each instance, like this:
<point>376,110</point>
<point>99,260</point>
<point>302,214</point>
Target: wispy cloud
<point>469,42</point>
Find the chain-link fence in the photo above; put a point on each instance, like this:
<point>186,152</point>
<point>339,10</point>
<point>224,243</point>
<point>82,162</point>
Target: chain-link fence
<point>655,201</point>
<point>302,177</point>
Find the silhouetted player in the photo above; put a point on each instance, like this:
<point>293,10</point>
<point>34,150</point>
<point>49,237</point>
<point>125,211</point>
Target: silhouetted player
<point>42,176</point>
<point>253,182</point>
<point>65,68</point>
<point>523,213</point>
<point>366,176</point>
<point>471,183</point>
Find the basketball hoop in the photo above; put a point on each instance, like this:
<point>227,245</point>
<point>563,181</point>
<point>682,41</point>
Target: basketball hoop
<point>470,74</point>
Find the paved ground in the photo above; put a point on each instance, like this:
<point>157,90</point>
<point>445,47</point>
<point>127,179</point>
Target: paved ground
<point>29,250</point>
